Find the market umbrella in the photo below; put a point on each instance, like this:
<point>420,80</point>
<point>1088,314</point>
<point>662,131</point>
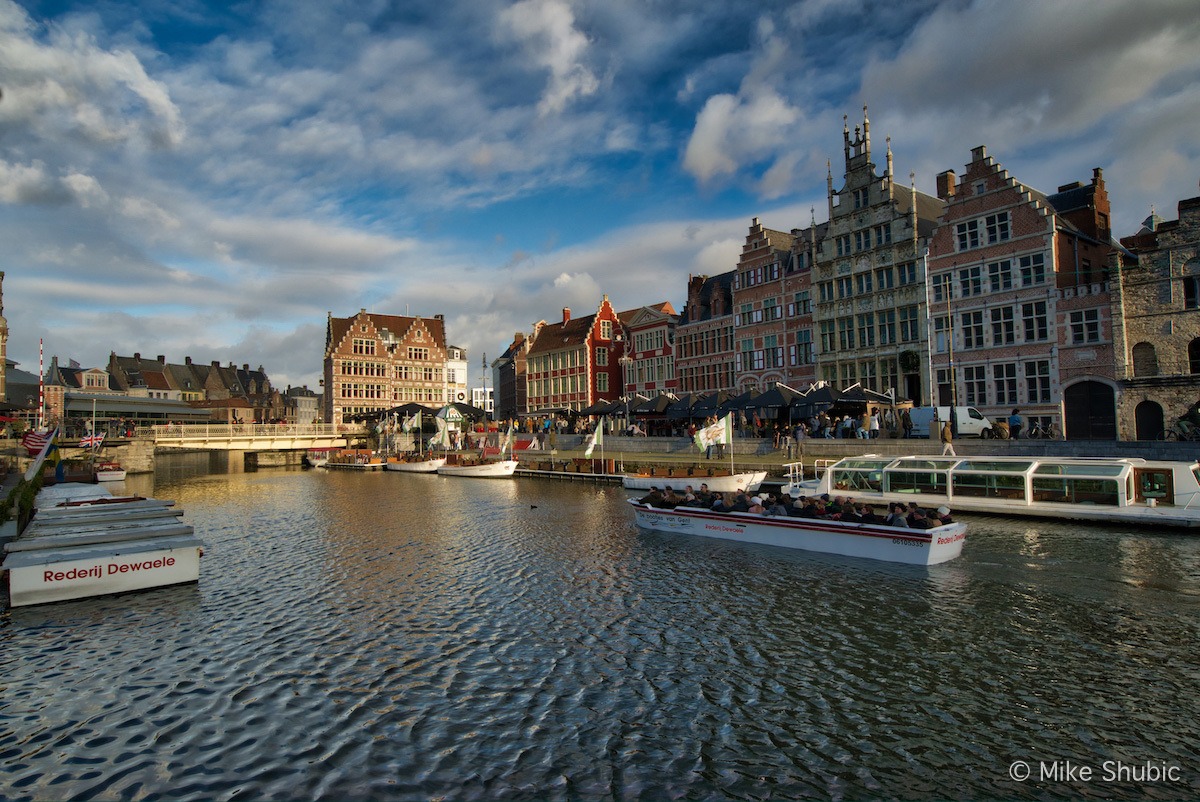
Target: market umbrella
<point>683,407</point>
<point>709,404</point>
<point>653,406</point>
<point>742,402</point>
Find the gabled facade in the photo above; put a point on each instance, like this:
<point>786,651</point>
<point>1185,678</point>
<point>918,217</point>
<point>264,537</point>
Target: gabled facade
<point>869,277</point>
<point>509,378</point>
<point>758,303</point>
<point>650,351</point>
<point>457,370</point>
<point>1156,308</point>
<point>799,310</point>
<point>575,363</point>
<point>1006,280</point>
<point>375,362</point>
<point>704,354</point>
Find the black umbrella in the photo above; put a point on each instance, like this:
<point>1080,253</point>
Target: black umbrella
<point>653,406</point>
<point>709,404</point>
<point>777,397</point>
<point>683,407</point>
<point>741,402</point>
<point>602,408</point>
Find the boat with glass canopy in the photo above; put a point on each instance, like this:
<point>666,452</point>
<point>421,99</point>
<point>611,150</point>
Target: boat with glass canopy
<point>1115,490</point>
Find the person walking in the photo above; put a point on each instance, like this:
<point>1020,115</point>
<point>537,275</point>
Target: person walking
<point>947,440</point>
<point>1014,424</point>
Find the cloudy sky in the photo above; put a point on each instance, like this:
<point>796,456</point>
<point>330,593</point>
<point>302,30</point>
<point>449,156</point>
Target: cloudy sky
<point>212,179</point>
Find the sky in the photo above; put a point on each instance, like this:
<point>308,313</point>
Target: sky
<point>213,180</point>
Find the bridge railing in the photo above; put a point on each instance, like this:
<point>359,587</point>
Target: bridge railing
<point>213,431</point>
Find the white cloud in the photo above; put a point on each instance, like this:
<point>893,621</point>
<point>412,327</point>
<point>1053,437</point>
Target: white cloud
<point>546,29</point>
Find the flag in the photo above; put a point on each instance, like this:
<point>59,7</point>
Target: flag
<point>34,442</point>
<point>91,440</point>
<point>508,438</point>
<point>442,438</point>
<point>719,433</point>
<point>597,438</point>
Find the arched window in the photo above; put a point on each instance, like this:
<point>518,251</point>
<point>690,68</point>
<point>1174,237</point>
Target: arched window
<point>1194,356</point>
<point>1145,360</point>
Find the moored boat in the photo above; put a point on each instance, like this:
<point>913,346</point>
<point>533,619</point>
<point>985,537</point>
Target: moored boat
<point>871,541</point>
<point>109,471</point>
<point>84,542</point>
<point>495,469</point>
<point>415,465</point>
<point>355,459</point>
<point>1103,490</point>
<point>728,483</point>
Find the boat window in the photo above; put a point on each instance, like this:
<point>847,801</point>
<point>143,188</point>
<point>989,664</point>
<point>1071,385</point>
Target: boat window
<point>1157,484</point>
<point>1070,490</point>
<point>916,482</point>
<point>1084,469</point>
<point>979,465</point>
<point>989,485</point>
<point>867,464</point>
<point>917,464</point>
<point>857,480</point>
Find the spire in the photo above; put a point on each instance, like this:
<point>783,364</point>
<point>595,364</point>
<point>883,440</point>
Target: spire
<point>846,136</point>
<point>829,180</point>
<point>888,174</point>
<point>866,133</point>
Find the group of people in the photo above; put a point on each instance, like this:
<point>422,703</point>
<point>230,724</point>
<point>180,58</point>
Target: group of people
<point>838,508</point>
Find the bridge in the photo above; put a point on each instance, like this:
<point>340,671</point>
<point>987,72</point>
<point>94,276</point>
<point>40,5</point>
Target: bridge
<point>248,436</point>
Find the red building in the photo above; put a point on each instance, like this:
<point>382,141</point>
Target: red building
<point>575,363</point>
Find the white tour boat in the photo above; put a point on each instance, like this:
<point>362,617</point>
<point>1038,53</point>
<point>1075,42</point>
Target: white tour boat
<point>84,542</point>
<point>1108,490</point>
<point>729,483</point>
<point>426,465</point>
<point>109,471</point>
<point>495,469</point>
<point>872,541</point>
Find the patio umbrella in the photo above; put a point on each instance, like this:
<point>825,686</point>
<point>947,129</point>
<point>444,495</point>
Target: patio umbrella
<point>709,404</point>
<point>742,402</point>
<point>653,406</point>
<point>683,407</point>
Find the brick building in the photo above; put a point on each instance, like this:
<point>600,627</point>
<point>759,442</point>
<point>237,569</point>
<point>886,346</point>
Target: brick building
<point>758,303</point>
<point>575,363</point>
<point>1008,278</point>
<point>375,362</point>
<point>1156,306</point>
<point>870,277</point>
<point>704,354</point>
<point>509,378</point>
<point>649,336</point>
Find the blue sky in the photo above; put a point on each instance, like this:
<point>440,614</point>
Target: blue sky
<point>210,180</point>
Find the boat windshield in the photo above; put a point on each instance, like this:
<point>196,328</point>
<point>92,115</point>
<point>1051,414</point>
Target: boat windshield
<point>990,466</point>
<point>923,464</point>
<point>865,464</point>
<point>1081,469</point>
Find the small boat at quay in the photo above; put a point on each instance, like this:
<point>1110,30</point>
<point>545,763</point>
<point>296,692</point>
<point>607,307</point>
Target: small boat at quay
<point>415,465</point>
<point>871,541</point>
<point>1134,491</point>
<point>83,541</point>
<point>109,471</point>
<point>495,469</point>
<point>728,483</point>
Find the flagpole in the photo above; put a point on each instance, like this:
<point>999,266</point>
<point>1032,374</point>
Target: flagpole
<point>729,429</point>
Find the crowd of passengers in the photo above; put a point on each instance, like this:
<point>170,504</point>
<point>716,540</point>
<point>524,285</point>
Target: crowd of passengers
<point>838,508</point>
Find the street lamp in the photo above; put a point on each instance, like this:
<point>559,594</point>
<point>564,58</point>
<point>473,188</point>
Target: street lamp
<point>625,361</point>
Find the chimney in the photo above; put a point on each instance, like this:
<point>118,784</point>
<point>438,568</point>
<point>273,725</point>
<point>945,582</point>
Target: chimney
<point>245,366</point>
<point>187,360</point>
<point>137,357</point>
<point>216,364</point>
<point>978,154</point>
<point>566,315</point>
<point>945,185</point>
<point>162,360</point>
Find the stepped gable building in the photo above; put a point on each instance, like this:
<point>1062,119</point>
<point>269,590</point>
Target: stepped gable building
<point>869,277</point>
<point>648,368</point>
<point>799,308</point>
<point>704,356</point>
<point>758,304</point>
<point>508,373</point>
<point>576,363</point>
<point>1008,276</point>
<point>375,362</point>
<point>1157,322</point>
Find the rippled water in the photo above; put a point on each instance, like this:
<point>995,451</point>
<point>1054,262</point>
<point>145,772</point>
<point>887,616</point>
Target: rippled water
<point>391,636</point>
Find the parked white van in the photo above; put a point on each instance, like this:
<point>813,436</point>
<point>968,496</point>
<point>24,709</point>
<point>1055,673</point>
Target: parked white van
<point>971,422</point>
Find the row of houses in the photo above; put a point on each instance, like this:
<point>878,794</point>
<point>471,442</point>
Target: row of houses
<point>991,294</point>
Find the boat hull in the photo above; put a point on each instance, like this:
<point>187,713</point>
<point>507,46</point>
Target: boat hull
<point>110,476</point>
<point>40,577</point>
<point>717,484</point>
<point>869,541</point>
<point>501,469</point>
<point>423,466</point>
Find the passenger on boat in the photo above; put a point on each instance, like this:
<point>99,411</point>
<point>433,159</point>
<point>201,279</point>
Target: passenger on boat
<point>669,499</point>
<point>740,503</point>
<point>775,506</point>
<point>896,515</point>
<point>866,514</point>
<point>704,498</point>
<point>653,496</point>
<point>722,502</point>
<point>920,520</point>
<point>912,511</point>
<point>756,505</point>
<point>943,516</point>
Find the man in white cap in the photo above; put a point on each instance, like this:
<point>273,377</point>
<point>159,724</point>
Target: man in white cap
<point>943,516</point>
<point>756,505</point>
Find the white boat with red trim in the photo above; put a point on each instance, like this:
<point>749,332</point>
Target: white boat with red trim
<point>495,469</point>
<point>415,465</point>
<point>872,541</point>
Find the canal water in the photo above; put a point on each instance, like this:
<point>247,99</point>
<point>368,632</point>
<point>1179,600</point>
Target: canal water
<point>389,636</point>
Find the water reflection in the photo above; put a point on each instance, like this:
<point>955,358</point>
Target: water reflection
<point>403,636</point>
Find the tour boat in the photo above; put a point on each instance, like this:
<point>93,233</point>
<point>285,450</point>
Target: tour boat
<point>1108,490</point>
<point>729,483</point>
<point>84,543</point>
<point>109,471</point>
<point>872,541</point>
<point>355,459</point>
<point>496,469</point>
<point>426,465</point>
